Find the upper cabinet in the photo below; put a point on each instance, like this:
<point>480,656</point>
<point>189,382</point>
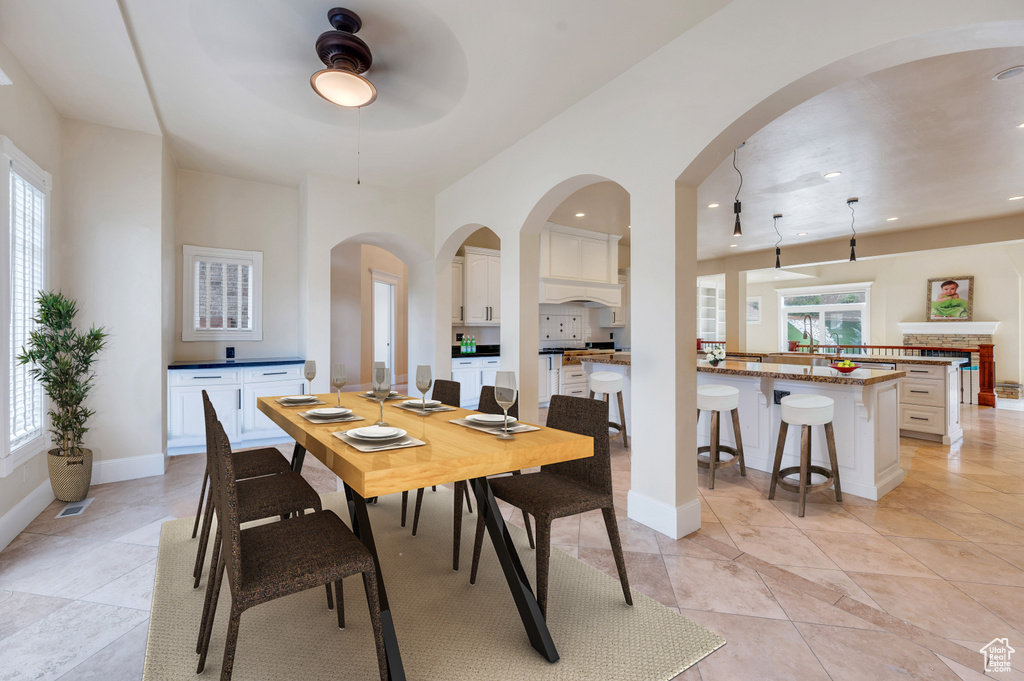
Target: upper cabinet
<point>577,264</point>
<point>458,302</point>
<point>482,297</point>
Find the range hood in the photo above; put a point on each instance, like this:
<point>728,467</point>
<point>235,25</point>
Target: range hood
<point>556,291</point>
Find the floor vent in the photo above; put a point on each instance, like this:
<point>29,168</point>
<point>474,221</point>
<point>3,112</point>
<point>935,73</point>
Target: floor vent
<point>74,508</point>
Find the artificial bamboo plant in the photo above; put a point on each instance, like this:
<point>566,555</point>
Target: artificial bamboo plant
<point>62,359</point>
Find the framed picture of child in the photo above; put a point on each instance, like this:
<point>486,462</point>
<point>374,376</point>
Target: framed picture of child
<point>951,299</point>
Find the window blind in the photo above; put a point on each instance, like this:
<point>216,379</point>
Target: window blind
<point>223,295</point>
<point>27,220</point>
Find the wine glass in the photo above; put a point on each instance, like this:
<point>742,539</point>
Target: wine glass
<point>505,395</point>
<point>338,378</point>
<point>381,387</point>
<point>310,372</point>
<point>423,382</point>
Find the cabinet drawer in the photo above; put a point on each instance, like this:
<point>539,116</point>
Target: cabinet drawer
<point>930,372</point>
<point>574,375</point>
<point>465,364</point>
<point>922,393</point>
<point>492,362</point>
<point>273,373</point>
<point>922,419</point>
<point>580,390</point>
<point>205,377</point>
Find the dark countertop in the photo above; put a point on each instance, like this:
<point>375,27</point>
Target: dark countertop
<point>238,362</point>
<point>481,351</point>
<point>800,373</point>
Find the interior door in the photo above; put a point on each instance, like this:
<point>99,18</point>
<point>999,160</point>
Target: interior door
<point>384,324</point>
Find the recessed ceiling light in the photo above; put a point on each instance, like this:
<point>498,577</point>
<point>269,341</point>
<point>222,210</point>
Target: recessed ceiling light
<point>801,233</point>
<point>776,277</point>
<point>1011,72</point>
<point>715,205</point>
<point>579,215</point>
<point>733,245</point>
<point>834,173</point>
<point>629,226</point>
<point>1016,198</point>
<point>1020,125</point>
<point>891,219</point>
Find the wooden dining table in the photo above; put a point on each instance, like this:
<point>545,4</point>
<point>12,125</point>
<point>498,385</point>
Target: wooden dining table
<point>452,452</point>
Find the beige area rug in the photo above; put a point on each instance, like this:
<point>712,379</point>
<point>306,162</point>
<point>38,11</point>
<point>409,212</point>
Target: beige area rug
<point>447,629</point>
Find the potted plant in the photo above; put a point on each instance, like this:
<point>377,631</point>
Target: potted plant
<point>62,360</point>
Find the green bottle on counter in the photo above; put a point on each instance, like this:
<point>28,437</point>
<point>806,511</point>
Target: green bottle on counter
<point>472,345</point>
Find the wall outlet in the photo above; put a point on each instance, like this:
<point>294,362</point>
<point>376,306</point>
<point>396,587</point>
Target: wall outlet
<point>229,352</point>
<point>459,336</point>
<point>779,394</point>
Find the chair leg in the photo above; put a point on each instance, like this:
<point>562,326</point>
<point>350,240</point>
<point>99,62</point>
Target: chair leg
<point>230,644</point>
<point>478,542</point>
<point>612,525</point>
<point>339,588</point>
<point>739,440</point>
<point>830,440</point>
<point>330,597</point>
<point>526,521</point>
<point>405,505</point>
<point>622,421</point>
<point>783,430</point>
<point>199,510</point>
<point>211,597</point>
<point>416,513</point>
<point>206,626</point>
<point>713,454</point>
<point>543,562</point>
<point>204,539</point>
<point>805,463</point>
<point>370,587</point>
<point>460,488</point>
<point>433,488</point>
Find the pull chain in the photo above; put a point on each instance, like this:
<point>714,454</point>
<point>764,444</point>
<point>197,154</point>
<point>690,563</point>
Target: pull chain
<point>359,133</point>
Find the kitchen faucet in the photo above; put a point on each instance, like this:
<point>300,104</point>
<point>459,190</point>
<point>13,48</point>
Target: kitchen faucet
<point>808,332</point>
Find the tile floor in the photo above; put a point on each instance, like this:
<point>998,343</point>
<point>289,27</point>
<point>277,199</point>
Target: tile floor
<point>907,587</point>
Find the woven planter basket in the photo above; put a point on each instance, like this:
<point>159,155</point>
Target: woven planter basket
<point>70,475</point>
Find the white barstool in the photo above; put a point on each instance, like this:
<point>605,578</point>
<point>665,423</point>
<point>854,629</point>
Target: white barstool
<point>609,383</point>
<point>806,411</point>
<point>718,399</point>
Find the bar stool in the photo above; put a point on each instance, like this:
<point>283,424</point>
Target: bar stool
<point>609,383</point>
<point>806,411</point>
<point>716,399</point>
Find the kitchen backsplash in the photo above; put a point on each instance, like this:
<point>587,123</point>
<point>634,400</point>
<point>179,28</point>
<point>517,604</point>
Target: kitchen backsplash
<point>554,318</point>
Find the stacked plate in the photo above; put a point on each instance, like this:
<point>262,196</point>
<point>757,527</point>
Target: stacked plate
<point>420,404</point>
<point>328,413</point>
<point>391,395</point>
<point>490,419</point>
<point>299,399</point>
<point>375,433</point>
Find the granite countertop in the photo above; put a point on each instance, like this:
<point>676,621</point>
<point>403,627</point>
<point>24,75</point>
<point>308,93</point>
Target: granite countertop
<point>239,362</point>
<point>891,359</point>
<point>794,372</point>
<point>621,358</point>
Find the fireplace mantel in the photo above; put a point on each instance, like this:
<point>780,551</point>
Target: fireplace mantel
<point>951,328</point>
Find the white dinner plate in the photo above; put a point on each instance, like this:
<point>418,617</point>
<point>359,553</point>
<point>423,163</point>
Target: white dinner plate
<point>375,433</point>
<point>370,394</point>
<point>329,412</point>
<point>420,403</point>
<point>299,398</point>
<point>490,418</point>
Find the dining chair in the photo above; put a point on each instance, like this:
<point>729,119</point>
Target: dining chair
<point>279,559</point>
<point>261,497</point>
<point>564,489</point>
<point>448,393</point>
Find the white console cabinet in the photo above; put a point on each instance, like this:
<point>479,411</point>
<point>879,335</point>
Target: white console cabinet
<point>471,373</point>
<point>233,391</point>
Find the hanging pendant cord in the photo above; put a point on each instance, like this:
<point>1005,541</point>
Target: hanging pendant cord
<point>853,218</point>
<point>776,221</point>
<point>359,133</point>
<point>738,173</point>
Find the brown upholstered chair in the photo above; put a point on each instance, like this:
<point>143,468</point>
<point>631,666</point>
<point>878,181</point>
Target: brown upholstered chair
<point>564,489</point>
<point>248,464</point>
<point>279,559</point>
<point>266,496</point>
<point>448,393</point>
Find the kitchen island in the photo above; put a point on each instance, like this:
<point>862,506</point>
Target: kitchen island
<point>866,419</point>
<point>617,363</point>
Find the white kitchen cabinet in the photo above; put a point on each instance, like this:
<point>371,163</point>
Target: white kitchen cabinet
<point>929,402</point>
<point>482,297</point>
<point>550,366</point>
<point>488,371</point>
<point>613,317</point>
<point>466,372</point>
<point>579,254</point>
<point>573,381</point>
<point>458,292</point>
<point>233,391</point>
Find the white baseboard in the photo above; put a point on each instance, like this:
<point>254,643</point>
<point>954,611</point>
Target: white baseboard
<point>675,522</point>
<point>128,468</point>
<point>24,512</point>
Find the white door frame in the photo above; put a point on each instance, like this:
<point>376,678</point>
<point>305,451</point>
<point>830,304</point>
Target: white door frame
<point>392,280</point>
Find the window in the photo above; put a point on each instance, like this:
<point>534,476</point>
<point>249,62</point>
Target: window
<point>834,315</point>
<point>25,206</point>
<point>223,295</point>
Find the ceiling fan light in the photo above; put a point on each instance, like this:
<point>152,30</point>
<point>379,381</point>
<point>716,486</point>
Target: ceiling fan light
<point>343,88</point>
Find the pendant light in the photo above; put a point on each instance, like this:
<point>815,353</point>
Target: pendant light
<point>778,251</point>
<point>736,230</point>
<point>853,239</point>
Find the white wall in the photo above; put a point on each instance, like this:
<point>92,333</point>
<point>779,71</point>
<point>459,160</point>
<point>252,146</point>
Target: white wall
<point>224,212</point>
<point>30,121</point>
<point>898,295</point>
<point>112,250</point>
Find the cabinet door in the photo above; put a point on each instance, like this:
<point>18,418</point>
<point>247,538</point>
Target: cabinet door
<point>469,386</point>
<point>488,370</point>
<point>594,260</point>
<point>475,298</point>
<point>254,424</point>
<point>564,255</point>
<point>458,289</point>
<point>544,379</point>
<point>186,422</point>
<point>494,288</point>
